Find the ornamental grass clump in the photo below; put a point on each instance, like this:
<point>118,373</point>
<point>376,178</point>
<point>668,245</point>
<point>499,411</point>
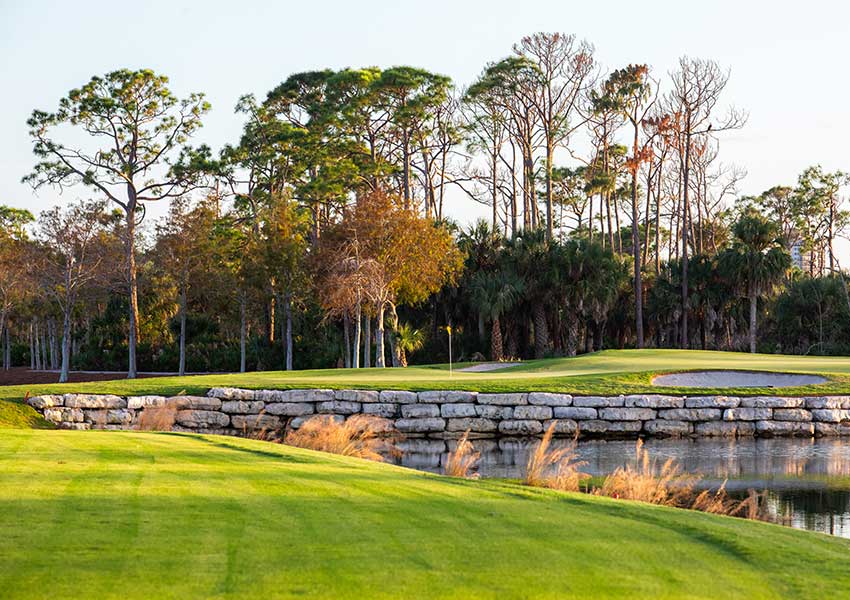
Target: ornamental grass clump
<point>359,436</point>
<point>462,461</point>
<point>555,468</point>
<point>647,482</point>
<point>157,418</point>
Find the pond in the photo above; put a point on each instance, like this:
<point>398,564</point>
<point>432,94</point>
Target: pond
<point>807,481</point>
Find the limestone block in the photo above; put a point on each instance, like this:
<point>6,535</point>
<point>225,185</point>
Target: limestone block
<point>747,414</point>
<point>725,428</point>
<point>93,401</point>
<point>626,414</point>
<point>195,418</point>
<point>473,424</point>
<point>562,426</point>
<point>447,396</point>
<point>42,402</point>
<point>387,410</point>
<point>139,402</point>
<point>791,414</point>
<point>421,425</point>
<point>196,403</point>
<point>577,413</point>
<point>549,399</point>
<point>654,401</point>
<point>832,428</point>
<point>503,399</point>
<point>397,397</point>
<point>540,413</point>
<point>459,410</point>
<point>772,402</point>
<point>253,422</point>
<point>242,407</point>
<point>712,402</point>
<point>664,427</point>
<point>489,411</point>
<point>290,409</point>
<point>691,414</point>
<point>357,396</point>
<point>826,415</point>
<point>420,411</point>
<point>521,427</point>
<point>338,407</point>
<point>784,428</point>
<point>599,401</point>
<point>831,402</point>
<point>599,426</point>
<point>227,393</point>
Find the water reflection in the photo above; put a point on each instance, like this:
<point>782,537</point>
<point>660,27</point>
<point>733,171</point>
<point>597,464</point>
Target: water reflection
<point>807,480</point>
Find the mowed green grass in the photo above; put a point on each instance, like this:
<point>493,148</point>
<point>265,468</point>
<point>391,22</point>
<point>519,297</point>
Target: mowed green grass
<point>143,515</point>
<point>601,373</point>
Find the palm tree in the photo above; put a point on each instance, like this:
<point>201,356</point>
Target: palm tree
<point>407,340</point>
<point>530,256</point>
<point>758,260</point>
<point>495,293</point>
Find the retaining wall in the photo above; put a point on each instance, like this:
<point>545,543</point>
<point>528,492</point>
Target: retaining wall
<point>448,414</point>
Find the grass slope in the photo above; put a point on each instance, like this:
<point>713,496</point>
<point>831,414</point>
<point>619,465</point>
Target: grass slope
<point>141,515</point>
<point>601,373</point>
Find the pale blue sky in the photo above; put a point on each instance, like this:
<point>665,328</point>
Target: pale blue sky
<point>788,60</point>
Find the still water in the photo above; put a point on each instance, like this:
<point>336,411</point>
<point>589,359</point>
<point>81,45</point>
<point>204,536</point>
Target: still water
<point>807,481</point>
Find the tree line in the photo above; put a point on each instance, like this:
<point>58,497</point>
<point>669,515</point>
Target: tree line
<point>612,220</point>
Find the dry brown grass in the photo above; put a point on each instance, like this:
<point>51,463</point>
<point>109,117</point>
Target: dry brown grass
<point>669,486</point>
<point>557,469</point>
<point>648,482</point>
<point>157,418</point>
<point>462,460</point>
<point>358,436</point>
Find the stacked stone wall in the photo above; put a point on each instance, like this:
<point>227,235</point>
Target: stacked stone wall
<point>448,414</point>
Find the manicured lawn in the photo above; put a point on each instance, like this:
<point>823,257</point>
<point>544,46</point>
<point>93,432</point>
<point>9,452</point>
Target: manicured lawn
<point>602,373</point>
<point>142,515</point>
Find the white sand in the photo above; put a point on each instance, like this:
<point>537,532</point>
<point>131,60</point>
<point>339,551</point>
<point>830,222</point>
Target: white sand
<point>738,379</point>
<point>494,366</point>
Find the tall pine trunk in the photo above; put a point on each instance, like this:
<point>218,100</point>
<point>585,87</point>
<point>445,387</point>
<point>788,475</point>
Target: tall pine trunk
<point>638,257</point>
<point>132,284</point>
<point>287,314</point>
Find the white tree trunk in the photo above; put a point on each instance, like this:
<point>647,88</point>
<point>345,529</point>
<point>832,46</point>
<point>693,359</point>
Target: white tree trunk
<point>379,338</point>
<point>355,355</point>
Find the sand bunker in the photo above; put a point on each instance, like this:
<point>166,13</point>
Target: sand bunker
<point>481,367</point>
<point>735,379</point>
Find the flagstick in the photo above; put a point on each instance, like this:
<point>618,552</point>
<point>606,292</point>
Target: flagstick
<point>449,329</point>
